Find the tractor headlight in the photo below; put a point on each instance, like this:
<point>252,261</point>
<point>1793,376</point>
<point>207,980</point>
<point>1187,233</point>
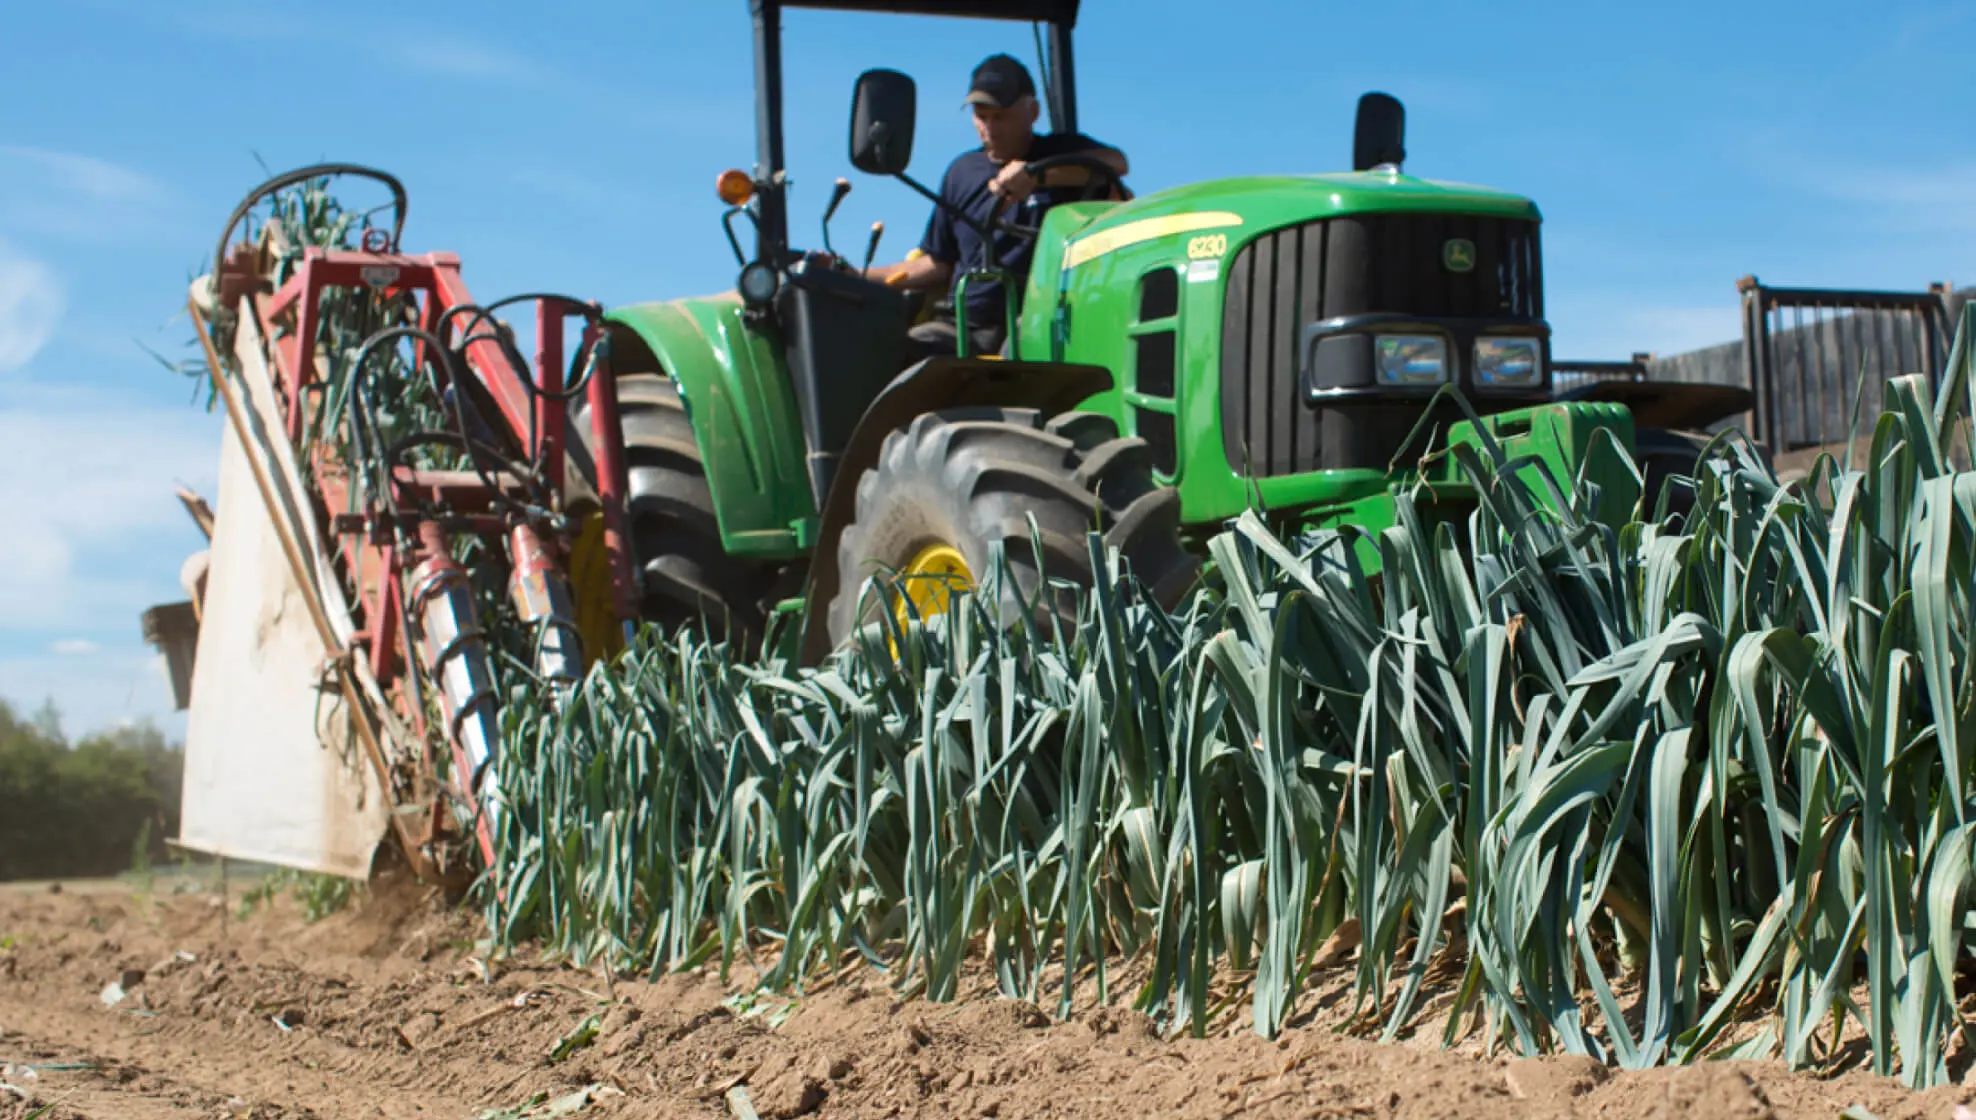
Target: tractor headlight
<point>1509,362</point>
<point>757,283</point>
<point>1411,359</point>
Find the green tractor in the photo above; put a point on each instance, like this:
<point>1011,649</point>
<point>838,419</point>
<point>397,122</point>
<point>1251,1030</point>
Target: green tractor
<point>1262,343</point>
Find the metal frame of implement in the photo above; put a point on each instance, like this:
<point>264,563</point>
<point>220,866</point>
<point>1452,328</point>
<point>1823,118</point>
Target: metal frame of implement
<point>413,610</point>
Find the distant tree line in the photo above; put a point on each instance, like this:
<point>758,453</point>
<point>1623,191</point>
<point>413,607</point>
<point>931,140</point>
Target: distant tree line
<point>91,807</point>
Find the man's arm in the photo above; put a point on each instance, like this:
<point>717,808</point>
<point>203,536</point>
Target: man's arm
<point>932,265</point>
<point>916,273</point>
<point>1014,182</point>
<point>1109,156</point>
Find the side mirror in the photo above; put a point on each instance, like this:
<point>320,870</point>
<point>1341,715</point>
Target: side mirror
<point>1380,135</point>
<point>882,122</point>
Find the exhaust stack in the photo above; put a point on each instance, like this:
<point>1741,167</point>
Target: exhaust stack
<point>1379,137</point>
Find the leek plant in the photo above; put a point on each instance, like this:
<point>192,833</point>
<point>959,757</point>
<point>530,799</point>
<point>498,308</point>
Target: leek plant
<point>1699,786</point>
<point>399,398</point>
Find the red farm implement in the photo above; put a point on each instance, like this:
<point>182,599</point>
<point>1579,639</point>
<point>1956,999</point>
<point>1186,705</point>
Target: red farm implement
<point>404,452</point>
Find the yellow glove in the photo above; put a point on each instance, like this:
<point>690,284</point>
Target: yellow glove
<point>899,277</point>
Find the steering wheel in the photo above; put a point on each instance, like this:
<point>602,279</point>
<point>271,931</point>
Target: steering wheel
<point>1104,182</point>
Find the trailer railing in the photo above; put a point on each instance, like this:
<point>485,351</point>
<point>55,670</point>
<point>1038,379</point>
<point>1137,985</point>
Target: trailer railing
<point>1567,374</point>
<point>1817,358</point>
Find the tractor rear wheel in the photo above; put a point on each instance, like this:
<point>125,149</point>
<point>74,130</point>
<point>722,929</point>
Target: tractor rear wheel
<point>684,574</point>
<point>955,482</point>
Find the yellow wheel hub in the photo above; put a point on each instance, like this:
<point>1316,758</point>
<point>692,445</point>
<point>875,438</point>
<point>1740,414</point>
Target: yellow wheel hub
<point>929,580</point>
<point>590,585</point>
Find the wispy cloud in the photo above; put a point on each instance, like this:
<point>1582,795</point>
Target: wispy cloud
<point>1861,221</point>
<point>462,58</point>
<point>96,179</point>
<point>31,304</point>
<point>74,647</point>
<point>80,197</point>
<point>441,54</point>
<point>1926,195</point>
<point>583,191</point>
<point>1921,198</point>
<point>89,495</point>
<point>1916,26</point>
<point>680,118</point>
<point>451,55</point>
<point>1601,331</point>
<point>240,22</point>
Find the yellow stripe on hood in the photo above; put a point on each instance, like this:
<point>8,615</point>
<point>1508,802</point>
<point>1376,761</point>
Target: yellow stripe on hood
<point>1096,245</point>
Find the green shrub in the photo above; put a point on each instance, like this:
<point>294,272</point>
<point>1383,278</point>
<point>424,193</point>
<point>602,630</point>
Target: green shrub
<point>81,810</point>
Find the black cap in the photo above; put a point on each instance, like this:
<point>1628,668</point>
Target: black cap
<point>1000,81</point>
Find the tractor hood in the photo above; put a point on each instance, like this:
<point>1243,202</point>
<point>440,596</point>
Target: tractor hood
<point>1244,206</point>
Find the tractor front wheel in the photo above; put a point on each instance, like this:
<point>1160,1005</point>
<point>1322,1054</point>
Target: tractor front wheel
<point>1664,455</point>
<point>953,483</point>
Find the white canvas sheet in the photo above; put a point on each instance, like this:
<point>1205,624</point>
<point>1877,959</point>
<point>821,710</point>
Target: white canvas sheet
<point>273,771</point>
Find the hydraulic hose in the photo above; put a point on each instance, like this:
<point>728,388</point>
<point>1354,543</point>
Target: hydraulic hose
<point>473,448</point>
<point>591,312</point>
<point>582,369</point>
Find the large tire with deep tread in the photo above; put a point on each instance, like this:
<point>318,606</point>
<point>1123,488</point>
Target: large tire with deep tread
<point>684,574</point>
<point>971,477</point>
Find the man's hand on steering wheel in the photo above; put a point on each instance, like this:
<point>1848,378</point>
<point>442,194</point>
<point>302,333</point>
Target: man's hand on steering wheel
<point>1018,180</point>
<point>1012,184</point>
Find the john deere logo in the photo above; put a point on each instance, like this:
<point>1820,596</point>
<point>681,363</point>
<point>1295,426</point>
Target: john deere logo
<point>1458,254</point>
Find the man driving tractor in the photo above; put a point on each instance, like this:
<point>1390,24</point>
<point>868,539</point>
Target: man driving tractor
<point>982,185</point>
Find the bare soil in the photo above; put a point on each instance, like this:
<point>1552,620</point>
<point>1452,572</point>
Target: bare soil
<point>384,1010</point>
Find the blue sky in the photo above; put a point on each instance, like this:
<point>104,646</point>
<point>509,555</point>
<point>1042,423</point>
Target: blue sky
<point>1673,147</point>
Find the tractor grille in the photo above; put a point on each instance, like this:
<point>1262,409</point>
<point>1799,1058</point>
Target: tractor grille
<point>1284,281</point>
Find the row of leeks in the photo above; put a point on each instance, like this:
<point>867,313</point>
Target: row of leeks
<point>1700,786</point>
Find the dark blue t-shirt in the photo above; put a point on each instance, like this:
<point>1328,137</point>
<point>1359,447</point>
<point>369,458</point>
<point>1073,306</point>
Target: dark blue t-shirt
<point>957,243</point>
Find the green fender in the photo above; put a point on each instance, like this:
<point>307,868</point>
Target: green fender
<point>735,383</point>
